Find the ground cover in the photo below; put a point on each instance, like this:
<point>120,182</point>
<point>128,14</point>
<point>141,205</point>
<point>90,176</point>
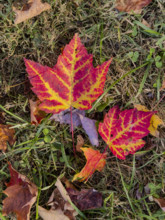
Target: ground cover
<point>44,152</point>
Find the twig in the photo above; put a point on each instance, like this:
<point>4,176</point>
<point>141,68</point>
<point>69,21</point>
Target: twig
<point>71,122</point>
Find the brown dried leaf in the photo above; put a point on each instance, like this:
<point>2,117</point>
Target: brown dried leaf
<point>21,195</point>
<point>60,206</point>
<point>35,113</point>
<point>131,5</point>
<point>52,214</point>
<point>80,143</point>
<point>161,203</point>
<point>6,135</point>
<point>146,23</point>
<point>35,8</point>
<point>67,183</point>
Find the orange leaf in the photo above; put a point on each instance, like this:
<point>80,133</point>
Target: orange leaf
<point>73,81</point>
<point>95,161</point>
<point>123,130</point>
<point>154,122</point>
<point>6,135</point>
<point>131,5</point>
<point>35,113</point>
<point>21,195</point>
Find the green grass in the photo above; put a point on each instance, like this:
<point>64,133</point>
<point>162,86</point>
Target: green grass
<point>132,78</point>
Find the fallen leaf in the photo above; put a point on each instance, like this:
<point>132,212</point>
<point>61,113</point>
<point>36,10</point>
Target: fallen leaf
<point>6,135</point>
<point>86,198</point>
<point>34,8</point>
<point>80,143</point>
<point>90,129</point>
<point>72,82</point>
<point>95,161</point>
<point>21,194</point>
<point>52,214</point>
<point>60,206</point>
<point>64,117</point>
<point>131,5</point>
<point>78,118</point>
<point>35,113</point>
<point>146,23</point>
<point>154,122</point>
<point>67,183</point>
<point>160,202</point>
<point>123,130</point>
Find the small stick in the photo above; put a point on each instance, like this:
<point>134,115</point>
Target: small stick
<point>71,122</point>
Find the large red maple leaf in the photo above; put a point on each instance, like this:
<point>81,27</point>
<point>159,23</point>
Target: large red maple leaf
<point>73,81</point>
<point>123,130</point>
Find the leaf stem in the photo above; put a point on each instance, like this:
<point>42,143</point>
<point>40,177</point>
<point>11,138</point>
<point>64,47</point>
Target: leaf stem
<point>71,122</point>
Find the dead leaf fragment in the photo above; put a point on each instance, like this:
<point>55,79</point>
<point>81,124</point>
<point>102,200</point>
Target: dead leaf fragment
<point>52,214</point>
<point>67,183</point>
<point>6,135</point>
<point>80,143</point>
<point>60,206</point>
<point>146,23</point>
<point>163,84</point>
<point>35,8</point>
<point>86,198</point>
<point>154,122</point>
<point>21,195</point>
<point>160,202</point>
<point>35,113</point>
<point>131,5</point>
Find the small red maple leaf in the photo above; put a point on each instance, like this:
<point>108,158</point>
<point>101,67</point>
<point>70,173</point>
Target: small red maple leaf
<point>123,130</point>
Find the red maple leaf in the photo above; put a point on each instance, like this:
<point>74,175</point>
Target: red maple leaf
<point>123,130</point>
<point>73,81</point>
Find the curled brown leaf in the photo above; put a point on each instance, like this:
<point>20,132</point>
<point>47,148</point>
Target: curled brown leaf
<point>34,8</point>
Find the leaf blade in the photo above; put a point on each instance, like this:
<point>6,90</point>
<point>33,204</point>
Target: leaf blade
<point>73,81</point>
<point>123,130</point>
